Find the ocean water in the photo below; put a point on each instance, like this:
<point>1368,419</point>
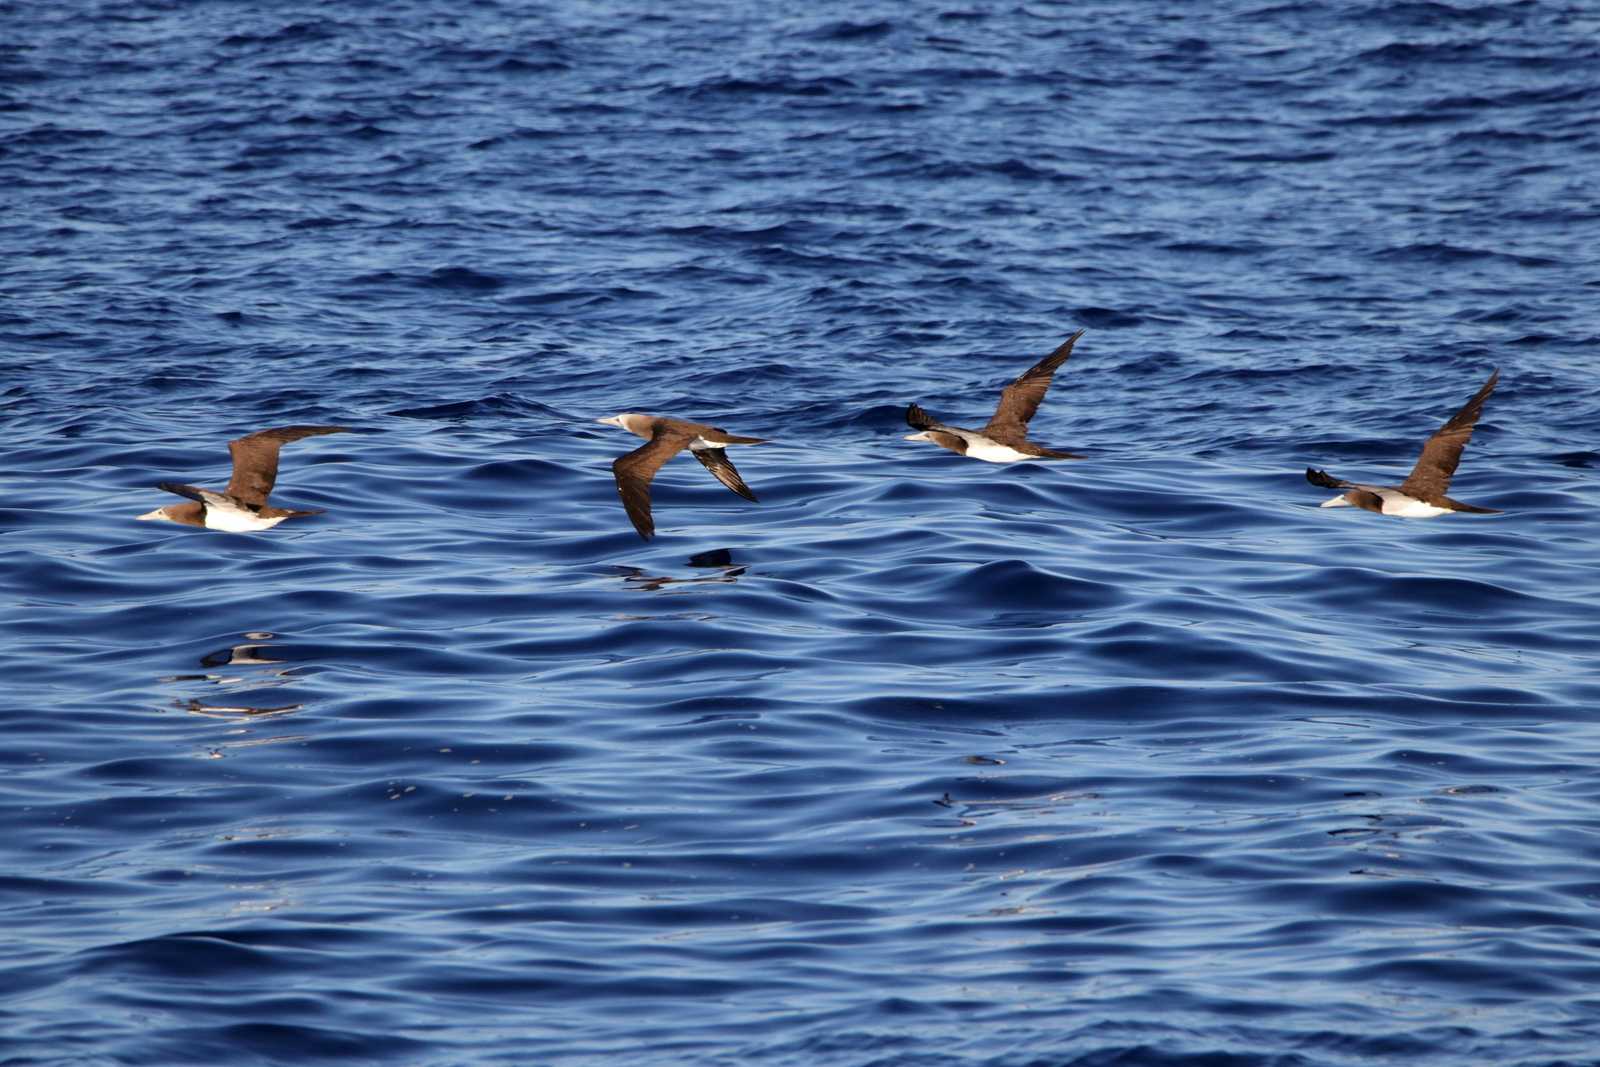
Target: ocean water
<point>1142,759</point>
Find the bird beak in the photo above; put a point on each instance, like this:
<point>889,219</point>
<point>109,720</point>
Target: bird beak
<point>612,421</point>
<point>923,436</point>
<point>158,513</point>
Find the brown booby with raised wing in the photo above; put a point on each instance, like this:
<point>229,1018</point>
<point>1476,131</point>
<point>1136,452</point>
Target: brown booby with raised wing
<point>1005,438</point>
<point>242,506</point>
<point>665,438</point>
<point>1421,495</point>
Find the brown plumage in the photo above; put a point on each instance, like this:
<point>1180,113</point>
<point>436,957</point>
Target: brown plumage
<point>1429,480</point>
<point>255,459</point>
<point>666,437</point>
<point>1004,438</point>
<point>243,504</point>
<point>1431,476</point>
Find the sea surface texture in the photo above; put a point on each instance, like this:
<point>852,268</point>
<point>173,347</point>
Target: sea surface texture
<point>1140,759</point>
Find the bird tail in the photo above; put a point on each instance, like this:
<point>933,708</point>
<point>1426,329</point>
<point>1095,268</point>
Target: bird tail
<point>1456,505</point>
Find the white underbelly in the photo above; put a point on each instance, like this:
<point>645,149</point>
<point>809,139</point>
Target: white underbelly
<point>237,520</point>
<point>994,452</point>
<point>1409,507</point>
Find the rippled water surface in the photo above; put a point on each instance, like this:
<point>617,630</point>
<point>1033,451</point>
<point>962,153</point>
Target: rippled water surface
<point>1140,759</point>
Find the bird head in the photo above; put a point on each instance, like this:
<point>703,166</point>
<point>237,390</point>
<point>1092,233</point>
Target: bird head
<point>627,420</point>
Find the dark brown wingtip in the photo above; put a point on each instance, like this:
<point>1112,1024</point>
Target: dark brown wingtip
<point>741,489</point>
<point>1054,360</point>
<point>1321,479</point>
<point>180,490</point>
<point>643,523</point>
<point>917,419</point>
<point>1487,388</point>
<point>638,512</point>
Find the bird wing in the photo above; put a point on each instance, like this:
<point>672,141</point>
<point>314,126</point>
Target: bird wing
<point>1430,478</point>
<point>1020,399</point>
<point>634,471</point>
<point>918,419</point>
<point>255,459</point>
<point>716,461</point>
<point>1325,480</point>
<point>212,499</point>
<point>205,496</point>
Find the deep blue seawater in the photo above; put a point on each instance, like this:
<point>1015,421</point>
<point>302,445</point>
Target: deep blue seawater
<point>1138,760</point>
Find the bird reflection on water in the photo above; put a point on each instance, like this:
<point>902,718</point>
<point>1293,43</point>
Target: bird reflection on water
<point>230,711</point>
<point>720,559</point>
<point>261,669</point>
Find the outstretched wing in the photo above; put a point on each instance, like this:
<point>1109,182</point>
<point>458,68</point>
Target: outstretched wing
<point>1430,478</point>
<point>716,461</point>
<point>1020,399</point>
<point>634,472</point>
<point>255,459</point>
<point>208,497</point>
<point>918,419</point>
<point>1323,480</point>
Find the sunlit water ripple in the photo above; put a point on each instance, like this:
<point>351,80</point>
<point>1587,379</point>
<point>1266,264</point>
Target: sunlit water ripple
<point>1142,759</point>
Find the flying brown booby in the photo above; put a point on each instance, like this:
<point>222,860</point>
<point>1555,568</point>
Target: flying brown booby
<point>1004,439</point>
<point>665,438</point>
<point>242,506</point>
<point>1421,495</point>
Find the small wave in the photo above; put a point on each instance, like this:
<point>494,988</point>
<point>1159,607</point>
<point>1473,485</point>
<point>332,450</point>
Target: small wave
<point>462,278</point>
<point>495,405</point>
<point>729,86</point>
<point>848,31</point>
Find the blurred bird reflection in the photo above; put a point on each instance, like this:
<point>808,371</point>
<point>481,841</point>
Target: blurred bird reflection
<point>719,559</point>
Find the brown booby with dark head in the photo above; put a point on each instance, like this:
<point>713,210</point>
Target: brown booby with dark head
<point>1004,439</point>
<point>665,438</point>
<point>1421,495</point>
<point>242,506</point>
